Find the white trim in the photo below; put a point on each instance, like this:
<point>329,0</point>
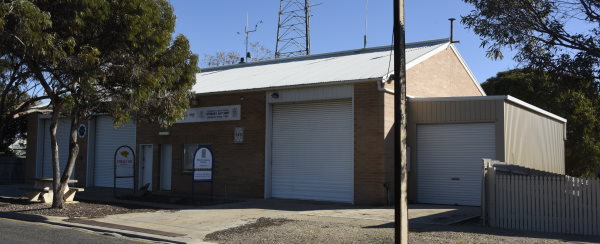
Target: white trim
<point>462,61</point>
<point>536,109</point>
<point>268,132</point>
<point>465,98</point>
<point>140,171</point>
<point>268,142</point>
<point>311,94</point>
<point>91,153</point>
<point>489,98</point>
<point>426,56</point>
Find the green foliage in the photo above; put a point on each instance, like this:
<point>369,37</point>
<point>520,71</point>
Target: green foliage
<point>95,56</point>
<point>569,96</point>
<point>562,36</point>
<point>102,56</point>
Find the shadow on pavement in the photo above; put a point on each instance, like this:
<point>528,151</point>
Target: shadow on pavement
<point>474,227</point>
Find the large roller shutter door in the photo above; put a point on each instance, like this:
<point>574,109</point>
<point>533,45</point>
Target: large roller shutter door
<point>449,164</point>
<point>313,151</point>
<point>108,139</point>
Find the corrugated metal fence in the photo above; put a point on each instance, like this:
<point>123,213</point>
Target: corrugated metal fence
<point>541,202</point>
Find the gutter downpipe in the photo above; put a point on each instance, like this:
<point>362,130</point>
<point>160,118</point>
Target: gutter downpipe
<point>384,80</point>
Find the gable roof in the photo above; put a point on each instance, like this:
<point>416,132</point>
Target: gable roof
<point>337,67</point>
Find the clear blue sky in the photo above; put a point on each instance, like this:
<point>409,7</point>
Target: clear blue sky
<point>336,25</point>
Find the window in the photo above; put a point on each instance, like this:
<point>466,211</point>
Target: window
<point>188,156</point>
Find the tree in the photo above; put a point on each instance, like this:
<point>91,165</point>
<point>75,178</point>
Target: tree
<point>569,96</point>
<point>561,36</point>
<point>12,125</point>
<point>258,51</point>
<point>97,56</point>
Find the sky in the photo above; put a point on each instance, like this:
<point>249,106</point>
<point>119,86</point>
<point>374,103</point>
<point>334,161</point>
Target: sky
<point>336,25</point>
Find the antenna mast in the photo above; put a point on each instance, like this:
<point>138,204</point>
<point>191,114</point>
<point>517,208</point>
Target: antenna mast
<point>293,28</point>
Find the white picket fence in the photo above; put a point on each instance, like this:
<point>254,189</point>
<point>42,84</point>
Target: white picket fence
<point>543,203</point>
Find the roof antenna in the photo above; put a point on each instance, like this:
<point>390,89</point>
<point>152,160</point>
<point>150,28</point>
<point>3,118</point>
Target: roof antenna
<point>366,23</point>
<point>452,31</point>
<point>247,31</point>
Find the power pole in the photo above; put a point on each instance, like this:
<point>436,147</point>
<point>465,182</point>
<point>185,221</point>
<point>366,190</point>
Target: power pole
<point>400,174</point>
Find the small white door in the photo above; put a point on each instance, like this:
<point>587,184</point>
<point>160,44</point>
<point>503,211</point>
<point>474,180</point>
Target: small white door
<point>449,164</point>
<point>165,166</point>
<point>146,166</point>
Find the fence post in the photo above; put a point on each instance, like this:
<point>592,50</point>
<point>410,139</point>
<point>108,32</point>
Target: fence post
<point>487,192</point>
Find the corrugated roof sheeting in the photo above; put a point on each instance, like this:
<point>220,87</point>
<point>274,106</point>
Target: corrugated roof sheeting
<point>360,64</point>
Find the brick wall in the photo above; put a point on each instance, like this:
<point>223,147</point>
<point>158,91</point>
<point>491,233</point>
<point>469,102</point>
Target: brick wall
<point>238,168</point>
<point>442,75</point>
<point>369,150</point>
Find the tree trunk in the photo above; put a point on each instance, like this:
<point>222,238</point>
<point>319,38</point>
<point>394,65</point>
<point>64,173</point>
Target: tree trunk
<point>58,200</point>
<point>55,154</point>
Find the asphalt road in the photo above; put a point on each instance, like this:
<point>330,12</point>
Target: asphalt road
<point>14,231</point>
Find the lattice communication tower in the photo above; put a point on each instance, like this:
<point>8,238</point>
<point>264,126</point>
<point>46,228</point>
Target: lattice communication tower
<point>293,29</point>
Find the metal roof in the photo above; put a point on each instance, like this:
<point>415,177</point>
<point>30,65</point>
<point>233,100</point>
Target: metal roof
<point>337,67</point>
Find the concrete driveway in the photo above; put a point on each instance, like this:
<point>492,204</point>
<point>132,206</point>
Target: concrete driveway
<point>192,225</point>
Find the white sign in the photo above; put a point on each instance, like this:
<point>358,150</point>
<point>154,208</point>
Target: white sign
<point>124,162</point>
<point>238,135</point>
<point>203,158</point>
<point>208,114</point>
<point>202,175</point>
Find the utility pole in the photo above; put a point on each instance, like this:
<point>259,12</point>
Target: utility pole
<point>400,174</point>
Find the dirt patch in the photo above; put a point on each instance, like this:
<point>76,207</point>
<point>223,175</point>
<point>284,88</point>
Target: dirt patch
<point>247,228</point>
<point>71,210</point>
<point>266,230</point>
<point>309,229</point>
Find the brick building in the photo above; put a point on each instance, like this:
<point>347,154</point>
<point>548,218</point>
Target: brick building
<point>315,127</point>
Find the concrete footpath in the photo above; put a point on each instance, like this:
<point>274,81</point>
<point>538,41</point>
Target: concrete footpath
<point>192,225</point>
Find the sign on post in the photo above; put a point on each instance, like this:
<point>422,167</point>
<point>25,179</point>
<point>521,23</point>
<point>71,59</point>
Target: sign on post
<point>203,167</point>
<point>203,164</point>
<point>124,164</point>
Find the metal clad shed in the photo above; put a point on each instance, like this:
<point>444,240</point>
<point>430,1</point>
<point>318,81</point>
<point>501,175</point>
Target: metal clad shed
<point>450,135</point>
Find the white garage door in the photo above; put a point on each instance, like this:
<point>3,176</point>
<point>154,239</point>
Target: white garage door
<point>108,139</point>
<point>62,136</point>
<point>449,162</point>
<point>313,151</point>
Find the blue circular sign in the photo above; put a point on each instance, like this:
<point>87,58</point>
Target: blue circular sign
<point>81,131</point>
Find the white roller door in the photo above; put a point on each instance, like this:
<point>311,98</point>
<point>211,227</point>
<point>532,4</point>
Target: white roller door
<point>108,139</point>
<point>449,164</point>
<point>62,136</point>
<point>313,151</point>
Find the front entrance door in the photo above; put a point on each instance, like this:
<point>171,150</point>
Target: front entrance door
<point>146,166</point>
